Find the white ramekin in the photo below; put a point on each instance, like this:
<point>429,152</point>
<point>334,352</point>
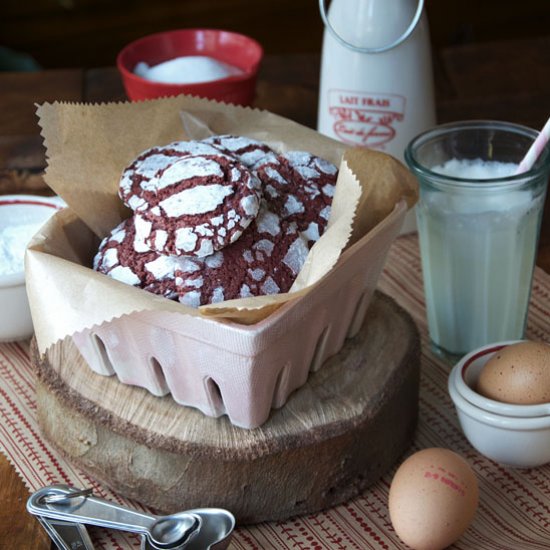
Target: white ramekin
<point>513,435</point>
<point>466,374</point>
<point>15,315</point>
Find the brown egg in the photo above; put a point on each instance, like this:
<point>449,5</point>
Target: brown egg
<point>433,499</point>
<point>517,374</point>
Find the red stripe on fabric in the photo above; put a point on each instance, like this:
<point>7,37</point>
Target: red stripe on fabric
<point>18,457</point>
<point>36,438</point>
<point>242,534</point>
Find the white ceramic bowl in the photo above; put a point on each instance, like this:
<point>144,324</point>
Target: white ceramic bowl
<point>513,435</point>
<point>16,211</point>
<point>466,374</point>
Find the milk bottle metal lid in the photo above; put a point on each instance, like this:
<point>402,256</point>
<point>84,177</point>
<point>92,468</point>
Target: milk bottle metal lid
<point>378,49</point>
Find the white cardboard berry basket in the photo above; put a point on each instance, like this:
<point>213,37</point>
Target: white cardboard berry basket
<point>216,364</point>
<point>243,371</point>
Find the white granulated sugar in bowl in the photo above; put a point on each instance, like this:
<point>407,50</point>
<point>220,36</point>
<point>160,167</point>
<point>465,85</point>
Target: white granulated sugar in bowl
<point>13,241</point>
<point>190,69</point>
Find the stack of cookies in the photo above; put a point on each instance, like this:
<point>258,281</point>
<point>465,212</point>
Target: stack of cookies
<point>218,219</point>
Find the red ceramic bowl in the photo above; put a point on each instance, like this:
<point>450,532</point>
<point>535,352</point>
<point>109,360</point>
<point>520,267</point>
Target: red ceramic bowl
<point>230,47</point>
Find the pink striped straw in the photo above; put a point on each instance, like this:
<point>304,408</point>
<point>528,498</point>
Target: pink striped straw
<point>535,150</point>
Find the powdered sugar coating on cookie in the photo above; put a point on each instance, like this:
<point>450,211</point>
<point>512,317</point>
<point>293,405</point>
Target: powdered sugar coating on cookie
<point>265,260</point>
<point>138,175</point>
<point>246,150</point>
<point>123,257</point>
<point>197,205</point>
<point>300,187</point>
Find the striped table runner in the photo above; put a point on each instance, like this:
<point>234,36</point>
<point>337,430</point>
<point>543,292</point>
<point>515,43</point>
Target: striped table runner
<point>514,511</point>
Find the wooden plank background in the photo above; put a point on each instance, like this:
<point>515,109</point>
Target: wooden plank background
<point>89,33</point>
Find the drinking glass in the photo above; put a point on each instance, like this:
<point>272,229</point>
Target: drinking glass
<point>478,237</point>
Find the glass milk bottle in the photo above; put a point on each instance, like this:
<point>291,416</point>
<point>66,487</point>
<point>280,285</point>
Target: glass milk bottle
<point>376,87</point>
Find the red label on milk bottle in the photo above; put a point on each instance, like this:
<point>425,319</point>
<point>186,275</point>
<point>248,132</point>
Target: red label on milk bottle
<point>364,118</point>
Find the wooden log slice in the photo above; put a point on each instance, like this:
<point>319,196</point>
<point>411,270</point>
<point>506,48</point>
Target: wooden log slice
<point>336,435</point>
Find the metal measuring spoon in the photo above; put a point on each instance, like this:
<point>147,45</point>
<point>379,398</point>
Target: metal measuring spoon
<point>66,535</point>
<point>215,532</point>
<point>173,532</point>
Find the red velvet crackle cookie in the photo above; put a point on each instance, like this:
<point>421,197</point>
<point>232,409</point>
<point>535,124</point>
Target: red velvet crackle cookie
<point>265,260</point>
<point>298,190</point>
<point>300,186</point>
<point>136,178</point>
<point>124,258</point>
<point>197,205</point>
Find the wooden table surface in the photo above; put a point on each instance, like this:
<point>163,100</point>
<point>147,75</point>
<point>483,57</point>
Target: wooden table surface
<point>504,81</point>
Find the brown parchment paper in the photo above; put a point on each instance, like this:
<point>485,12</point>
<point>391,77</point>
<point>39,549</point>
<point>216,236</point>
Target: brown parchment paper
<point>88,146</point>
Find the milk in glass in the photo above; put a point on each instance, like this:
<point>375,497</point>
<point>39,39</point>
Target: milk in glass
<point>478,248</point>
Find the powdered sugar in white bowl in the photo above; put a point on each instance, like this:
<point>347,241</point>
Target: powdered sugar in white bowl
<point>21,216</point>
